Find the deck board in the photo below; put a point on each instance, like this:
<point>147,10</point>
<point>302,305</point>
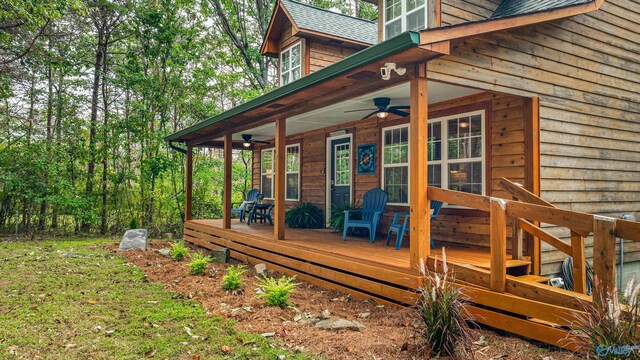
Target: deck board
<point>328,241</point>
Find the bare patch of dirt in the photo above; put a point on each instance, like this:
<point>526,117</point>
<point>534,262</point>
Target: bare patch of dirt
<point>389,332</point>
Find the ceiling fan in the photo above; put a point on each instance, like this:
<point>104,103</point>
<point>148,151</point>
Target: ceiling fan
<point>383,109</point>
<point>247,141</point>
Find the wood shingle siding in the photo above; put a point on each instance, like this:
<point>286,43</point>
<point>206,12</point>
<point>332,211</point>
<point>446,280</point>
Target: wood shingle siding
<point>586,71</point>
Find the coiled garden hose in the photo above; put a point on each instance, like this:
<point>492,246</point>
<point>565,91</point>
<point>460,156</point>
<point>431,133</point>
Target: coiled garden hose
<point>567,275</point>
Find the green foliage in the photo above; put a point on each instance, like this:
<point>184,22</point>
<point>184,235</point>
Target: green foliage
<point>276,292</point>
<point>232,279</point>
<point>610,324</point>
<point>305,215</point>
<point>178,251</point>
<point>133,223</point>
<point>337,216</point>
<point>442,313</point>
<point>198,264</point>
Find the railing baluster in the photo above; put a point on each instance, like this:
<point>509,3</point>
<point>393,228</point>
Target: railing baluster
<point>604,253</point>
<point>579,263</point>
<point>498,239</point>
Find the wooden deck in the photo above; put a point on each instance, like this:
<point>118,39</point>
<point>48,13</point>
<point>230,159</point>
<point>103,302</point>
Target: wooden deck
<point>364,270</point>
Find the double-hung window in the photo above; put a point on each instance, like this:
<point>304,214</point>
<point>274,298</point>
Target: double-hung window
<point>293,172</point>
<point>404,15</point>
<point>266,173</point>
<point>456,152</point>
<point>395,164</point>
<point>291,64</point>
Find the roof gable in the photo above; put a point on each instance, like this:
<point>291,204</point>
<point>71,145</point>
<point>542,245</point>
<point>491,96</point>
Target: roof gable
<point>308,20</point>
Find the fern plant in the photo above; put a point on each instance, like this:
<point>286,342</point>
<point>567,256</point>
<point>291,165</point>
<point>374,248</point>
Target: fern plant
<point>305,215</point>
<point>276,292</point>
<point>198,264</point>
<point>178,251</point>
<point>232,280</point>
<point>337,216</point>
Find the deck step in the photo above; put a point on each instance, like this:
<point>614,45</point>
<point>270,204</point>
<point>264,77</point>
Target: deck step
<point>535,278</point>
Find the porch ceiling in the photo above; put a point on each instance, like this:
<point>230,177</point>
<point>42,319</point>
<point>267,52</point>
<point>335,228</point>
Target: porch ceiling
<point>337,113</point>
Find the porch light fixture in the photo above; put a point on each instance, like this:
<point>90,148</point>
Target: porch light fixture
<point>385,71</point>
<point>382,114</point>
<point>246,144</point>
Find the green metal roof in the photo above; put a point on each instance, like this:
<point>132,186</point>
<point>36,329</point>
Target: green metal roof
<point>327,22</point>
<point>508,8</point>
<point>380,51</point>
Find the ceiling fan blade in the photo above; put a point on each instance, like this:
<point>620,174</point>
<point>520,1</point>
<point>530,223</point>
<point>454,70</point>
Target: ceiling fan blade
<point>393,110</point>
<point>401,107</point>
<point>348,111</point>
<point>368,116</point>
<point>260,142</point>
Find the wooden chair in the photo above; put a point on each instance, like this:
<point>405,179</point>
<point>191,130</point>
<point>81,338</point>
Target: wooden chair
<point>373,204</point>
<point>401,228</point>
<point>245,206</point>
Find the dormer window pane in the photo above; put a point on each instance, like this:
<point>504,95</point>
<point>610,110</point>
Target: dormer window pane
<point>404,15</point>
<point>291,64</point>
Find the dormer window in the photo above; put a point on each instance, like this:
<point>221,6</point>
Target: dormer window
<point>291,63</point>
<point>403,15</point>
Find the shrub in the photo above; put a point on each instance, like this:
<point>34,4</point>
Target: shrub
<point>337,216</point>
<point>178,251</point>
<point>133,223</point>
<point>609,330</point>
<point>276,292</point>
<point>442,313</point>
<point>232,281</point>
<point>198,264</point>
<point>305,215</point>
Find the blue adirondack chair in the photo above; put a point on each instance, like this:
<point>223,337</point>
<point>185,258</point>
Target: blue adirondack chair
<point>242,208</point>
<point>399,226</point>
<point>373,204</point>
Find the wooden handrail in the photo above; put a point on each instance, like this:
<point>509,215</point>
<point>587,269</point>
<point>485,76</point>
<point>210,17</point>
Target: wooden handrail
<point>628,230</point>
<point>474,201</point>
<point>520,193</point>
<point>581,223</point>
<point>545,236</point>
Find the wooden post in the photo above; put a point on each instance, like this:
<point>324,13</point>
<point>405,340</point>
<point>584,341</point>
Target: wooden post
<point>532,169</point>
<point>604,253</point>
<point>498,239</point>
<point>188,183</point>
<point>280,168</point>
<point>226,200</point>
<point>517,238</point>
<point>420,232</point>
<point>579,263</point>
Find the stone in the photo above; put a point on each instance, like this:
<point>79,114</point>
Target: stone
<point>364,315</point>
<point>134,239</point>
<point>260,269</point>
<point>339,324</point>
<point>164,252</point>
<point>168,236</point>
<point>219,256</point>
<point>325,314</point>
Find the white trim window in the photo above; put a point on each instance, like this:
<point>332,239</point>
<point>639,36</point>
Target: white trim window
<point>266,173</point>
<point>404,15</point>
<point>395,164</point>
<point>461,166</point>
<point>291,64</point>
<point>293,173</point>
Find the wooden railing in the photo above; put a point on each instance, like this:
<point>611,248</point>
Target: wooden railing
<point>528,210</point>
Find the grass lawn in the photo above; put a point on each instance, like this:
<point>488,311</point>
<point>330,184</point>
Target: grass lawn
<point>72,299</point>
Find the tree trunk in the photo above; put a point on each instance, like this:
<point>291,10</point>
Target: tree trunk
<point>105,145</point>
<point>44,205</point>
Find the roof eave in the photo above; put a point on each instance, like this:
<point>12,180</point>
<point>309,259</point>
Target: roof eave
<point>379,51</point>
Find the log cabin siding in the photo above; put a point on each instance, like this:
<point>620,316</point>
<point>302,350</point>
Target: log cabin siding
<point>460,11</point>
<point>586,71</point>
<point>322,54</point>
<point>504,145</point>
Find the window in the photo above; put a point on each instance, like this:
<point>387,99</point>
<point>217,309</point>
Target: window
<point>461,165</point>
<point>403,15</point>
<point>293,172</point>
<point>395,164</point>
<point>291,64</point>
<point>266,174</point>
<point>342,176</point>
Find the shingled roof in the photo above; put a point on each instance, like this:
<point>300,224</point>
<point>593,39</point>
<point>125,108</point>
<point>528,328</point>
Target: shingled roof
<point>508,8</point>
<point>327,22</point>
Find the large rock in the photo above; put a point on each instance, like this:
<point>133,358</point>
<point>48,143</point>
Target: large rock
<point>134,239</point>
<point>220,256</point>
<point>339,324</point>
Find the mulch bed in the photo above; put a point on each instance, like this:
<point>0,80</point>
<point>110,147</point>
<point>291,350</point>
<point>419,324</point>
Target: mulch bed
<point>389,333</point>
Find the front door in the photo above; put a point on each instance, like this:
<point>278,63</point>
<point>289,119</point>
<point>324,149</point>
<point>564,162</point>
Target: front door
<point>340,171</point>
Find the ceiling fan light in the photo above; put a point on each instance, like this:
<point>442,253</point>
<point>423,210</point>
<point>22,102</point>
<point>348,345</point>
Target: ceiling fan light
<point>246,144</point>
<point>382,114</point>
